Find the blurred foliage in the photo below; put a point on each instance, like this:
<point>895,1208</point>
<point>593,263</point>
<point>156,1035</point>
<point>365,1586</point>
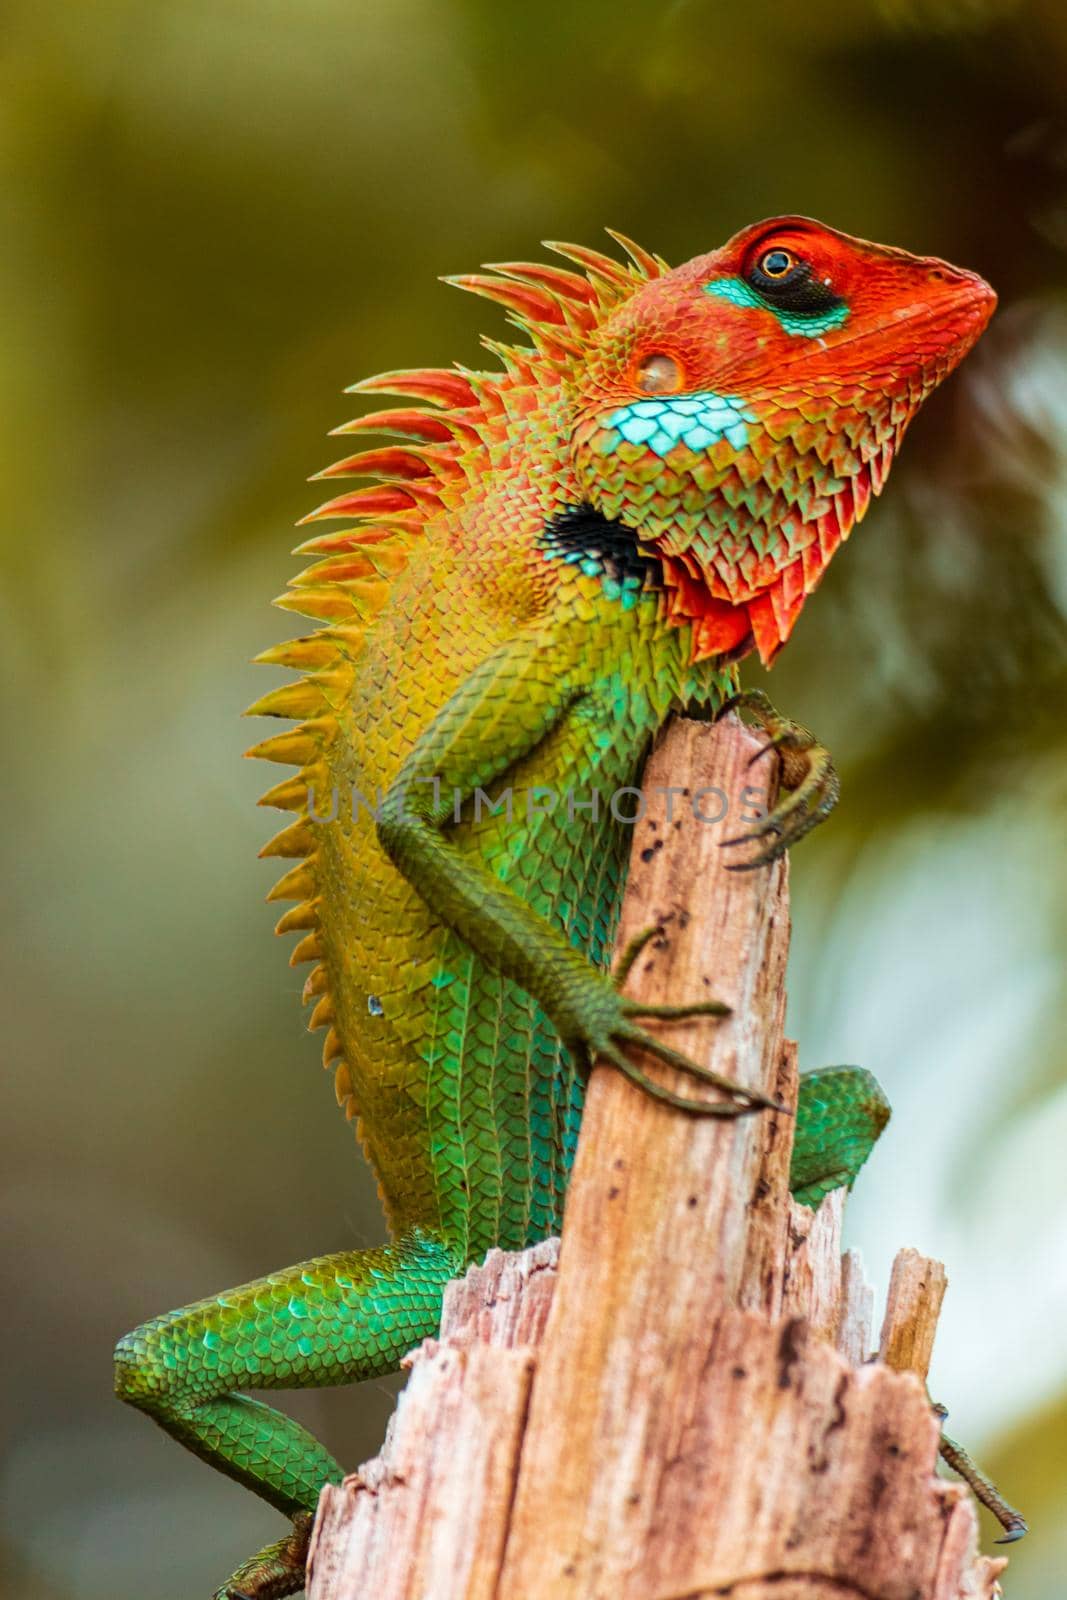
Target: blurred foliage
<point>221,211</point>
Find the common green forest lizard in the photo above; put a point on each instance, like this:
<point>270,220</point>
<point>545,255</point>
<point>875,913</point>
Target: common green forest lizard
<point>549,560</point>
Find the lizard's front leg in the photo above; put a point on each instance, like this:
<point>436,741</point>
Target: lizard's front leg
<point>810,785</point>
<point>507,707</point>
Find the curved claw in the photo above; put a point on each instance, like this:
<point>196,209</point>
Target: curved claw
<point>624,965</point>
<point>742,1101</point>
<point>674,1058</point>
<point>680,1102</point>
<point>807,776</point>
<point>277,1570</point>
<point>700,1008</point>
<point>797,814</point>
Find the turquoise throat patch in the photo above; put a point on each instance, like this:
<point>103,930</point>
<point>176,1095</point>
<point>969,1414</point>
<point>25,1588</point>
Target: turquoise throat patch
<point>801,323</point>
<point>696,420</point>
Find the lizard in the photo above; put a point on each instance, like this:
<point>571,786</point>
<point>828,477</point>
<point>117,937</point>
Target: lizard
<point>547,561</point>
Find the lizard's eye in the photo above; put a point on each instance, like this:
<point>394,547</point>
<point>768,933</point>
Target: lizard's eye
<point>787,282</point>
<point>777,263</point>
<point>659,374</point>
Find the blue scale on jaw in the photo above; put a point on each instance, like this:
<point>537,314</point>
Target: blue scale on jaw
<point>697,421</point>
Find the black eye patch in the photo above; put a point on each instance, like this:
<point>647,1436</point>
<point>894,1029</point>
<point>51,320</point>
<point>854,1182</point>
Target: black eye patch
<point>797,290</point>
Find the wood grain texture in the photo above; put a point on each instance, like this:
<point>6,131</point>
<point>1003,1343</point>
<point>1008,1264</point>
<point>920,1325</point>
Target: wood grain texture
<point>683,1406</point>
<point>916,1289</point>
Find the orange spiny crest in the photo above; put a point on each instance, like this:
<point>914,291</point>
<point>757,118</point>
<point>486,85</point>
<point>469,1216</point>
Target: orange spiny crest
<point>296,884</point>
<point>313,650</point>
<point>299,918</point>
<point>408,423</point>
<point>346,586</point>
<point>297,747</point>
<point>293,700</point>
<point>571,285</point>
<point>309,949</point>
<point>529,302</point>
<point>442,386</point>
<point>379,500</point>
<point>393,461</point>
<point>372,561</point>
<point>648,265</point>
<point>329,604</point>
<point>398,529</point>
<point>604,272</point>
<point>555,308</point>
<point>292,843</point>
<point>324,1014</point>
<point>289,795</point>
<point>342,1084</point>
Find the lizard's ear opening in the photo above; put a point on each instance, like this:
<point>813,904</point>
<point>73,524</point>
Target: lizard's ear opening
<point>659,373</point>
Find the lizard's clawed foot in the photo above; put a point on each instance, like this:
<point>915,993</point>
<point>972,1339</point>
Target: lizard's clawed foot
<point>277,1570</point>
<point>609,1035</point>
<point>809,782</point>
<point>983,1488</point>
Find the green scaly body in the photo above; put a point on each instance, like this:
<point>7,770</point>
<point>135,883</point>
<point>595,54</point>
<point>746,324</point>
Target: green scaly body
<point>516,610</point>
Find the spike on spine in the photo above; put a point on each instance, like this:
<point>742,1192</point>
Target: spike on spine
<point>316,983</point>
<point>443,386</point>
<point>326,605</point>
<point>404,423</point>
<point>345,1093</point>
<point>298,918</point>
<point>295,748</point>
<point>289,795</point>
<point>364,596</point>
<point>367,533</point>
<point>331,1048</point>
<point>322,1016</point>
<point>294,841</point>
<point>515,362</point>
<point>551,342</point>
<point>374,502</point>
<point>649,266</point>
<point>294,700</point>
<point>525,300</point>
<point>596,264</point>
<point>392,461</point>
<point>309,949</point>
<point>341,567</point>
<point>297,884</point>
<point>314,650</point>
<point>557,280</point>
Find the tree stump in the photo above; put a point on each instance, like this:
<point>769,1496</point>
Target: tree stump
<point>679,1401</point>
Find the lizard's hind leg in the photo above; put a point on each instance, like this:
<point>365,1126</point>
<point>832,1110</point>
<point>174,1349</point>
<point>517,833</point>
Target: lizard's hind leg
<point>333,1320</point>
<point>840,1113</point>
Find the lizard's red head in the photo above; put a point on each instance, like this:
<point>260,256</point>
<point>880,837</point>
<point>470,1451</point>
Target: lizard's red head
<point>739,411</point>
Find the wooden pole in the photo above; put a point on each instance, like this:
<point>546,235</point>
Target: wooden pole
<point>677,1402</point>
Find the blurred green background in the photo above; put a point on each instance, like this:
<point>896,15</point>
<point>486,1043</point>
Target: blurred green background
<point>219,213</point>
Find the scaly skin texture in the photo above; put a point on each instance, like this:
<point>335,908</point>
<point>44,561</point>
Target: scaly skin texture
<point>553,561</point>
